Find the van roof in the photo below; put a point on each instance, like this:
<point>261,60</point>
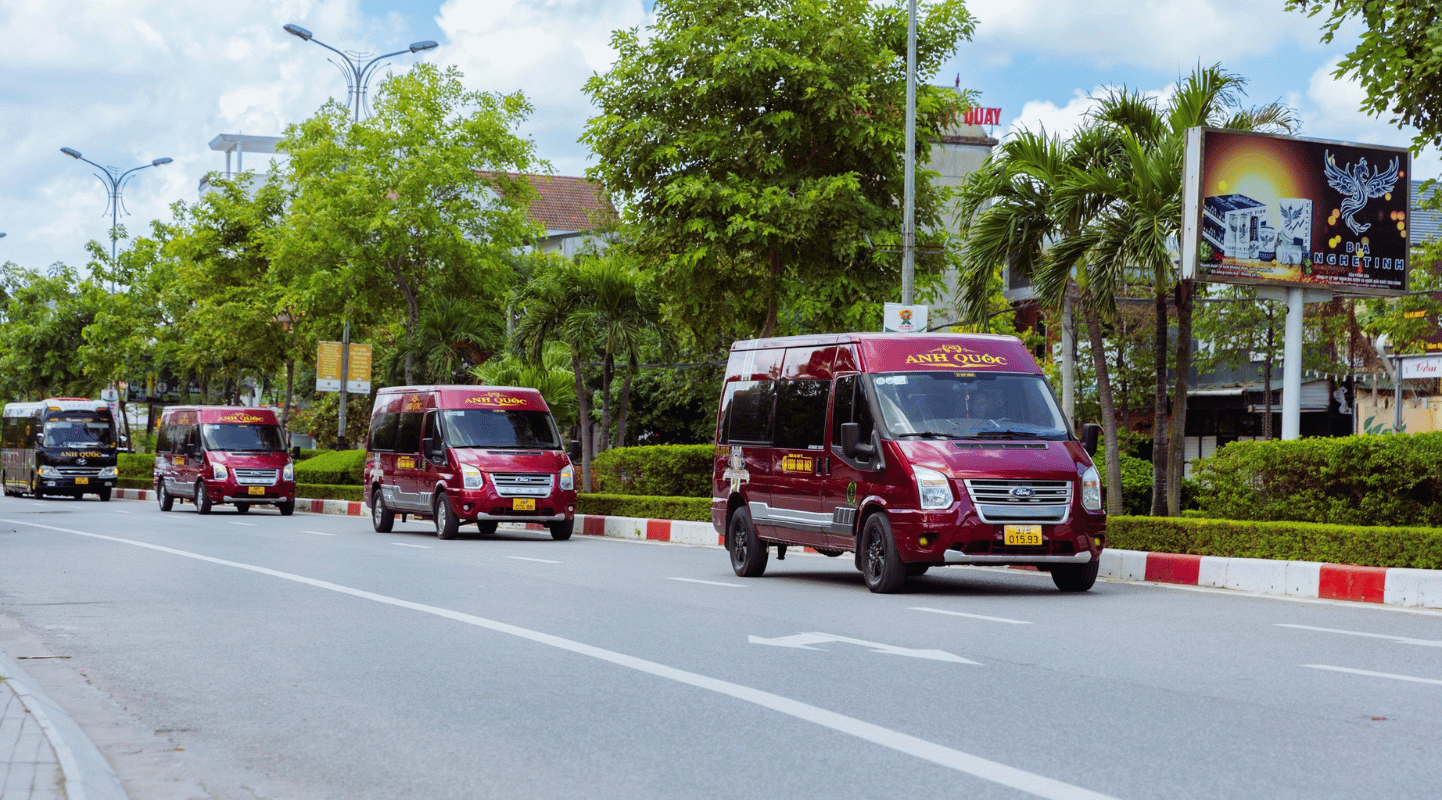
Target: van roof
<point>224,414</point>
<point>454,396</point>
<point>62,403</point>
<point>899,352</point>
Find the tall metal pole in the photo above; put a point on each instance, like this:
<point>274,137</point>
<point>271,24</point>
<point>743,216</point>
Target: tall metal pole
<point>340,442</point>
<point>1292,367</point>
<point>908,219</point>
<point>114,182</point>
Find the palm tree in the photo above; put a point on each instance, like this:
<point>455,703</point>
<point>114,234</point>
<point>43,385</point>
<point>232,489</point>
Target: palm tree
<point>552,378</point>
<point>1013,211</point>
<point>1138,228</point>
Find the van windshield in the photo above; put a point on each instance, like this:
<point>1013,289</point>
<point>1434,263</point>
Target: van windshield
<point>79,432</point>
<point>243,437</point>
<point>520,429</point>
<point>968,405</point>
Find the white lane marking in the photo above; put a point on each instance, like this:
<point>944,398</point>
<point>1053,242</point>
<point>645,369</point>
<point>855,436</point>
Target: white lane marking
<point>246,524</point>
<point>118,511</point>
<point>1371,674</point>
<point>318,533</point>
<point>1400,639</point>
<point>966,763</point>
<point>803,641</point>
<point>971,616</point>
<point>537,560</point>
<point>708,583</point>
<point>403,544</point>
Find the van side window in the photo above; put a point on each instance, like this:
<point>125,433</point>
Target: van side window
<point>750,407</point>
<point>383,432</point>
<point>162,439</point>
<point>801,414</point>
<point>851,406</point>
<point>408,432</point>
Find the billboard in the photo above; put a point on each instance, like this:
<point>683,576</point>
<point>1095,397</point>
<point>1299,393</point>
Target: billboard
<point>1279,210</point>
<point>328,368</point>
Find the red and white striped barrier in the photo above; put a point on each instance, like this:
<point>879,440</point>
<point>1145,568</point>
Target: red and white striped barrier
<point>1390,585</point>
<point>1418,588</point>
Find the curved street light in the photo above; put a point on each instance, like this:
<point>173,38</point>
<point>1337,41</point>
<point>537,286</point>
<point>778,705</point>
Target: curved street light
<point>357,76</point>
<point>114,181</point>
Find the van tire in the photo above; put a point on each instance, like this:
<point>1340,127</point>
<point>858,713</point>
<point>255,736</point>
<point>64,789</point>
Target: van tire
<point>1075,577</point>
<point>748,553</point>
<point>104,494</point>
<point>287,507</point>
<point>447,524</point>
<point>35,491</point>
<point>486,527</point>
<point>916,570</point>
<point>382,519</point>
<point>202,498</point>
<point>881,566</point>
<point>561,531</point>
<point>163,497</point>
<point>242,508</point>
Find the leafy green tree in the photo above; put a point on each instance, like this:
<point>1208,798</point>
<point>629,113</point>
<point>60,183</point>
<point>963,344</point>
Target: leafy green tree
<point>756,148</point>
<point>43,329</point>
<point>420,202</point>
<point>1398,60</point>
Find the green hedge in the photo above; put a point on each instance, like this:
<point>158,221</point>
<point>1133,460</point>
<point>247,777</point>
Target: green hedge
<point>333,468</point>
<point>630,505</point>
<point>1393,480</point>
<point>136,465</point>
<point>663,470</point>
<point>1368,546</point>
<point>316,491</point>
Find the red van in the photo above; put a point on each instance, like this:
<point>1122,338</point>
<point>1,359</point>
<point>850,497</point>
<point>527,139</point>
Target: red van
<point>911,450</point>
<point>219,455</point>
<point>459,454</point>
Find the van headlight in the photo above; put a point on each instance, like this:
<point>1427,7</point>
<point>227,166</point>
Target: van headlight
<point>288,474</point>
<point>568,478</point>
<point>1091,489</point>
<point>48,471</point>
<point>107,472</point>
<point>218,472</point>
<point>471,477</point>
<point>933,487</point>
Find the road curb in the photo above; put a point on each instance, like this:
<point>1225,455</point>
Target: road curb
<point>1414,588</point>
<point>88,776</point>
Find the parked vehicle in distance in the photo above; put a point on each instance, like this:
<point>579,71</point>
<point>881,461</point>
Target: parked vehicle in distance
<point>459,454</point>
<point>58,446</point>
<point>223,455</point>
<point>910,450</point>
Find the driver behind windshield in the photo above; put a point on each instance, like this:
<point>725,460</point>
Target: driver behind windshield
<point>985,403</point>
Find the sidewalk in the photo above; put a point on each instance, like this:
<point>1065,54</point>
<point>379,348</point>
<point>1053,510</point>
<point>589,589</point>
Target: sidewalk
<point>44,755</point>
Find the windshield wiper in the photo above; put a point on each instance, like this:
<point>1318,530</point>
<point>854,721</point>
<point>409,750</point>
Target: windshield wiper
<point>926,435</point>
<point>1017,433</point>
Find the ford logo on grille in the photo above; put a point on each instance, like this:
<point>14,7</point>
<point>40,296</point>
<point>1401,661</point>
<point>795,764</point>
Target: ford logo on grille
<point>1022,491</point>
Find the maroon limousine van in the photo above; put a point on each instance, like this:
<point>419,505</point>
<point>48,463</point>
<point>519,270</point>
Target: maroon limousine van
<point>911,450</point>
<point>223,455</point>
<point>460,454</point>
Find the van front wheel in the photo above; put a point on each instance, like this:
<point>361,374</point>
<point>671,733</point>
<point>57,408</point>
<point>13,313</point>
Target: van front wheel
<point>748,554</point>
<point>202,498</point>
<point>447,525</point>
<point>881,565</point>
<point>1075,577</point>
<point>561,531</point>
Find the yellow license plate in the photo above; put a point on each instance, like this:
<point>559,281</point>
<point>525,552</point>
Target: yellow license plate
<point>523,505</point>
<point>256,490</point>
<point>1023,535</point>
<point>81,481</point>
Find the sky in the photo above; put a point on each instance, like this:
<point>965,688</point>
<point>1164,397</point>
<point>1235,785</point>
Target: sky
<point>125,82</point>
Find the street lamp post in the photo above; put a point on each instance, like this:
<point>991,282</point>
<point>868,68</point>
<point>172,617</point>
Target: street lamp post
<point>114,181</point>
<point>356,75</point>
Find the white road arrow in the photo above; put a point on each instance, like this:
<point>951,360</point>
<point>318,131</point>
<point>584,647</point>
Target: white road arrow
<point>803,641</point>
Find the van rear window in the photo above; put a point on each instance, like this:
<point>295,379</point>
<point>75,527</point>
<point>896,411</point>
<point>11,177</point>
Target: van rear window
<point>749,408</point>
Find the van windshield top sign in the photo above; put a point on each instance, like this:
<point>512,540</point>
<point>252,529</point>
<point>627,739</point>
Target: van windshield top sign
<point>955,355</point>
<point>495,400</point>
<point>241,416</point>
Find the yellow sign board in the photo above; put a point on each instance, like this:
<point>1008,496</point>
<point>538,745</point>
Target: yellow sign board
<point>328,368</point>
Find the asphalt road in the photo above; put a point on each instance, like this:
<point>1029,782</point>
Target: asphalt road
<point>256,656</point>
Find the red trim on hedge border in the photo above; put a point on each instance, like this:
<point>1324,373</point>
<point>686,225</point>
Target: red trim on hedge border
<point>1173,568</point>
<point>1348,582</point>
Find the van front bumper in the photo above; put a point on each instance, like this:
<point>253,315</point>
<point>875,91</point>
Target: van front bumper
<point>70,484</point>
<point>958,536</point>
<point>481,505</point>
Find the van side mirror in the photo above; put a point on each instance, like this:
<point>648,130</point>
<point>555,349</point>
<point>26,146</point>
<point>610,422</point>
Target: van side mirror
<point>573,451</point>
<point>295,453</point>
<point>431,446</point>
<point>1090,432</point>
<point>851,445</point>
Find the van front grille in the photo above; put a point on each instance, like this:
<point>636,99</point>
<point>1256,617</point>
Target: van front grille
<point>1021,501</point>
<point>256,477</point>
<point>522,484</point>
